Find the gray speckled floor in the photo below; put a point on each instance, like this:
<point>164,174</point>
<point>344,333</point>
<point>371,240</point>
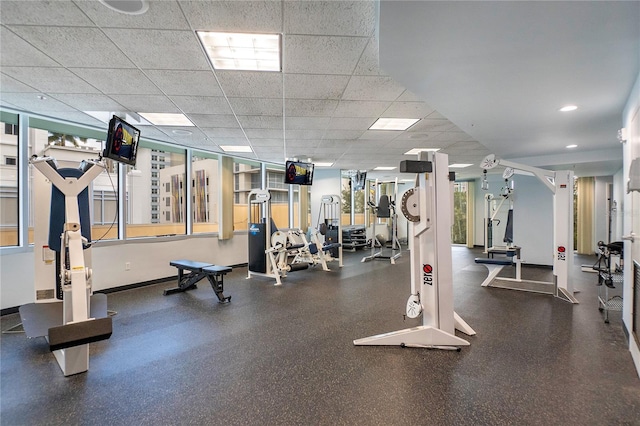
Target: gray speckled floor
<point>284,356</point>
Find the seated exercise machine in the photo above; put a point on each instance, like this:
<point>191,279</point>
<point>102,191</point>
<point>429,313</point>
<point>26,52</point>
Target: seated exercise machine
<point>69,316</point>
<point>198,271</point>
<point>560,183</point>
<point>274,252</point>
<point>328,232</point>
<point>385,209</point>
<point>428,209</point>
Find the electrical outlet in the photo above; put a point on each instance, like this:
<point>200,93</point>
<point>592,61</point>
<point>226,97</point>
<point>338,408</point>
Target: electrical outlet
<point>127,266</point>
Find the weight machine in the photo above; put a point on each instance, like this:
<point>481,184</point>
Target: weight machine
<point>560,183</point>
<point>69,315</point>
<point>385,209</point>
<point>329,227</point>
<point>428,209</point>
<point>492,210</point>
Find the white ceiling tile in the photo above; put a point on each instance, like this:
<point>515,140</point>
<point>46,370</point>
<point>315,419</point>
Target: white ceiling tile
<point>49,80</point>
<point>14,51</point>
<point>222,132</point>
<point>267,142</point>
<point>360,108</point>
<point>91,48</point>
<point>314,86</point>
<point>307,122</point>
<point>372,88</point>
<point>176,133</point>
<point>151,132</point>
<point>342,134</point>
<point>369,62</point>
<point>117,81</point>
<point>342,123</point>
<point>260,122</point>
<point>322,55</point>
<point>271,134</point>
<point>304,134</point>
<point>408,96</point>
<point>386,135</point>
<point>61,12</point>
<point>156,49</point>
<point>308,107</point>
<point>408,110</point>
<point>234,16</point>
<point>146,103</point>
<point>89,102</point>
<point>436,115</point>
<point>213,120</point>
<point>32,103</point>
<point>163,15</point>
<point>250,84</point>
<point>432,125</point>
<point>187,83</point>
<point>349,18</point>
<point>230,141</point>
<point>256,106</point>
<point>8,85</point>
<point>202,104</point>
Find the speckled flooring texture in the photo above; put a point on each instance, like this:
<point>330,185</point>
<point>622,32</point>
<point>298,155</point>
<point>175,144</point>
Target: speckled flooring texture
<point>284,356</point>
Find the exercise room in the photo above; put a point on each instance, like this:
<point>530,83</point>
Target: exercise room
<point>283,212</point>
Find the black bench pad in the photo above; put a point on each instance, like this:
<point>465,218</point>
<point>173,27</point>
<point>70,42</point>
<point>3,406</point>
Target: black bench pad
<point>493,261</point>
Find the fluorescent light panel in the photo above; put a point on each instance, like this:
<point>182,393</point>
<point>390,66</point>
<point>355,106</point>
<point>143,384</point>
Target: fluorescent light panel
<point>384,168</point>
<point>323,164</point>
<point>238,51</point>
<point>236,148</point>
<point>166,119</point>
<point>568,108</point>
<point>460,165</point>
<point>393,123</point>
<point>416,151</point>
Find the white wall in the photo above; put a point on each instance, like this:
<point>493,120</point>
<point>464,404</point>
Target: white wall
<point>618,197</point>
<point>601,211</point>
<point>148,260</point>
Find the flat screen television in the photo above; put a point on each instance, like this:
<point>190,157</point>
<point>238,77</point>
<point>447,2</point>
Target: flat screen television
<point>359,180</point>
<point>122,141</point>
<point>296,172</point>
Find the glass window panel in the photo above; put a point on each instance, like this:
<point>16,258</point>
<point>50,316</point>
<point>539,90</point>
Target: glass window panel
<point>246,176</point>
<point>9,181</point>
<point>165,215</point>
<point>205,193</point>
<point>279,196</point>
<point>345,194</point>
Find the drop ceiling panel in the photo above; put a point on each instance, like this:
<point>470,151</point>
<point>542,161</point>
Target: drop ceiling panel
<point>151,132</point>
<point>231,141</point>
<point>221,132</point>
<point>49,80</point>
<point>361,108</point>
<point>256,106</point>
<point>89,102</point>
<point>187,83</point>
<point>146,103</point>
<point>117,81</point>
<point>349,18</point>
<point>322,55</point>
<point>91,48</point>
<point>342,134</point>
<point>309,108</point>
<point>307,122</point>
<point>62,13</point>
<point>32,103</point>
<point>250,84</point>
<point>9,85</point>
<point>432,125</point>
<point>369,63</point>
<point>385,135</point>
<point>196,135</point>
<point>267,142</point>
<point>258,134</point>
<point>163,14</point>
<point>304,134</point>
<point>213,120</point>
<point>202,104</point>
<point>14,51</point>
<point>314,86</point>
<point>408,110</point>
<point>156,49</point>
<point>234,16</point>
<point>373,88</point>
<point>260,122</point>
<point>345,123</point>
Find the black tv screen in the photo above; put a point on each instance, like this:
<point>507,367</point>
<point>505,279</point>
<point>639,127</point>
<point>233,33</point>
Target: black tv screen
<point>122,141</point>
<point>296,172</point>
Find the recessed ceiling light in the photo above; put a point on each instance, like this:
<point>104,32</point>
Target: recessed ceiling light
<point>568,108</point>
<point>416,151</point>
<point>460,165</point>
<point>42,97</point>
<point>166,119</point>
<point>384,168</point>
<point>238,51</point>
<point>323,164</point>
<point>236,148</point>
<point>393,123</point>
<point>181,132</point>
<point>128,7</point>
<point>572,146</point>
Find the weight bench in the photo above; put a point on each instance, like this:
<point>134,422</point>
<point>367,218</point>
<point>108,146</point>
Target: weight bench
<point>196,272</point>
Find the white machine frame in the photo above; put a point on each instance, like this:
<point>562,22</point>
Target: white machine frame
<point>77,291</point>
<point>560,183</point>
<point>396,248</point>
<point>431,263</point>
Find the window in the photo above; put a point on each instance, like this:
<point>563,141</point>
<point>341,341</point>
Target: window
<point>146,217</point>
<point>11,128</point>
<point>205,196</point>
<point>279,196</point>
<point>459,228</point>
<point>246,177</point>
<point>10,161</point>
